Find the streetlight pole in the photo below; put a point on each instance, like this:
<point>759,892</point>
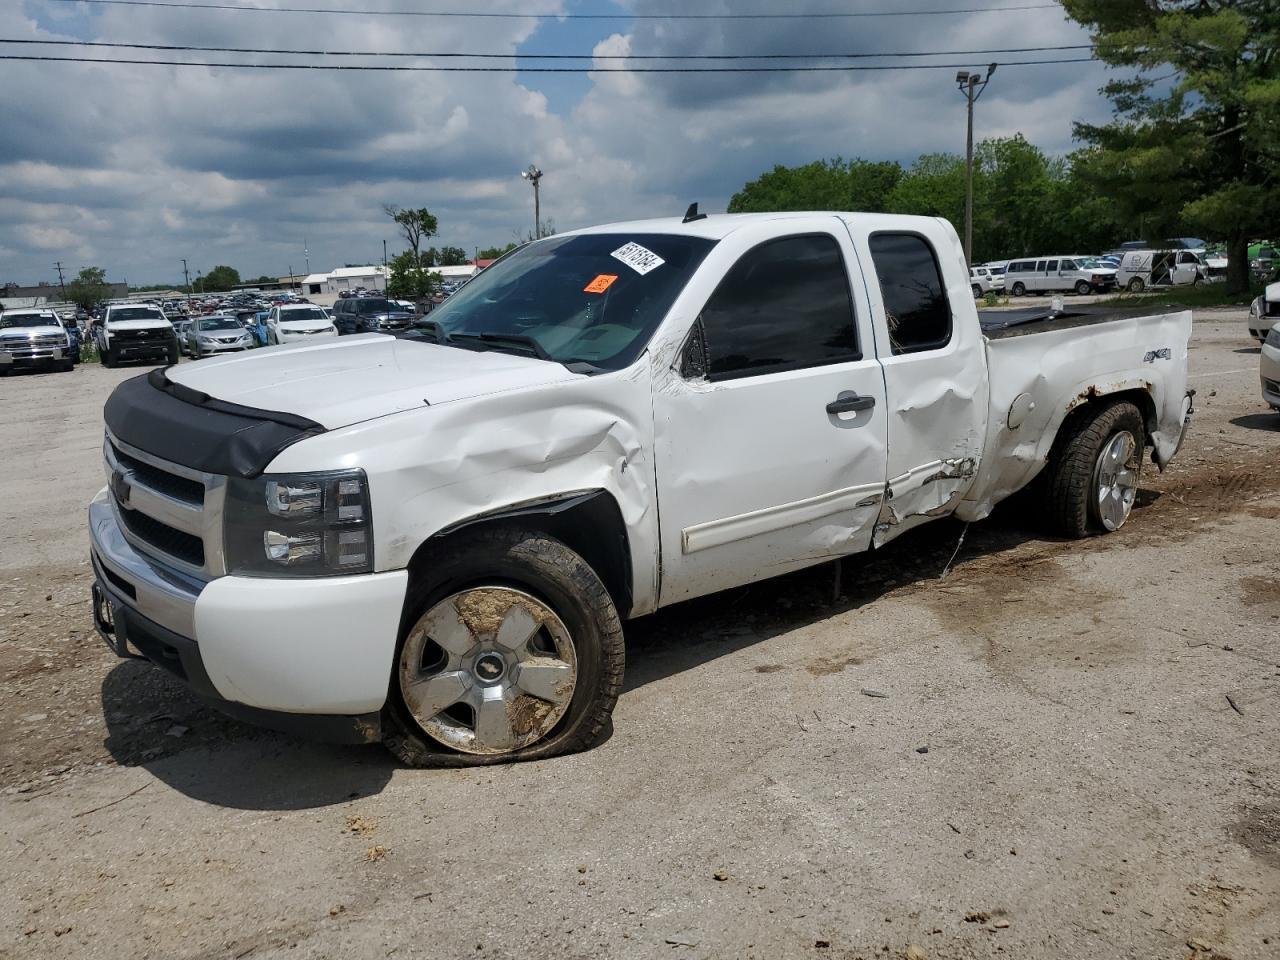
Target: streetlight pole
<point>534,176</point>
<point>971,85</point>
<point>186,276</point>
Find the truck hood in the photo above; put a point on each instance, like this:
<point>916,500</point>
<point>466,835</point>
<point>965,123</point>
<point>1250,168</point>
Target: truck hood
<point>18,333</point>
<point>1272,293</point>
<point>347,380</point>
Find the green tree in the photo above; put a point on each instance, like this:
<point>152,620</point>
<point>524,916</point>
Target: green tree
<point>837,184</point>
<point>493,253</point>
<point>411,277</point>
<point>89,288</point>
<point>221,278</point>
<point>933,187</point>
<point>1200,153</point>
<point>453,257</point>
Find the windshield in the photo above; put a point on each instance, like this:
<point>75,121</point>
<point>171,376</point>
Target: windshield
<point>593,297</point>
<point>27,320</point>
<point>371,305</point>
<point>135,313</point>
<point>220,323</point>
<point>302,313</point>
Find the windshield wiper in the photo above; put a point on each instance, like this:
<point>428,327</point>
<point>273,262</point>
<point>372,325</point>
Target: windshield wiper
<point>498,340</point>
<point>432,328</point>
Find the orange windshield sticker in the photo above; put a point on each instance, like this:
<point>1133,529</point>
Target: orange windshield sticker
<point>601,283</point>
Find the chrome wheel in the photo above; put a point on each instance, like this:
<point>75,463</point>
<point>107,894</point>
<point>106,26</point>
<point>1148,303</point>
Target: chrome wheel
<point>489,670</point>
<point>1115,480</point>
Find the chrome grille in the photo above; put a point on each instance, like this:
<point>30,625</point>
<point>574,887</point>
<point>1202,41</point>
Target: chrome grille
<point>49,340</point>
<point>167,511</point>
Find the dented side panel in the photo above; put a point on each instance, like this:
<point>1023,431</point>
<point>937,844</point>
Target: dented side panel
<point>1037,380</point>
<point>937,398</point>
<point>436,467</point>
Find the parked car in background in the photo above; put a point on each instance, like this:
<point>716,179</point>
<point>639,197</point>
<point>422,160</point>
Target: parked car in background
<point>35,338</point>
<point>180,328</point>
<point>1270,367</point>
<point>296,322</point>
<point>1061,274</point>
<point>370,315</point>
<point>983,281</point>
<point>217,334</point>
<point>434,538</point>
<point>134,331</point>
<point>1141,269</point>
<point>1264,312</point>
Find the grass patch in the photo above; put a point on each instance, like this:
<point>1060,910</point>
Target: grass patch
<point>1203,295</point>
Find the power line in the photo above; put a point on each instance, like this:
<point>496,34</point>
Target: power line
<point>830,15</point>
<point>552,56</point>
<point>848,68</point>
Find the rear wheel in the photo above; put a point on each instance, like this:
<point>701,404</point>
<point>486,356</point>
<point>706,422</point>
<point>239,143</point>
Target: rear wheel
<point>1136,285</point>
<point>513,651</point>
<point>1094,471</point>
<point>1019,289</point>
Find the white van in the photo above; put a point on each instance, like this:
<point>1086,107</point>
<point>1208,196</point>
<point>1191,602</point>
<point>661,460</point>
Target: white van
<point>1140,269</point>
<point>1057,274</point>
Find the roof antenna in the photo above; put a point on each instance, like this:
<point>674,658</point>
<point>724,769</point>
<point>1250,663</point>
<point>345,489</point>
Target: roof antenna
<point>692,214</point>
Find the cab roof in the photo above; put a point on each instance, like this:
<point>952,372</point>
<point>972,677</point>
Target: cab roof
<point>717,226</point>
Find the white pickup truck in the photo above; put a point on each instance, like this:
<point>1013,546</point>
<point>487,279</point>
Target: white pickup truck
<point>434,539</point>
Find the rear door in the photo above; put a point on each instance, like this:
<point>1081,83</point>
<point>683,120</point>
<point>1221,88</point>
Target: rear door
<point>935,370</point>
<point>770,432</point>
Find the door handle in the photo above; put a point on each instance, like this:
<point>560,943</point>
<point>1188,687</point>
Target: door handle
<point>851,404</point>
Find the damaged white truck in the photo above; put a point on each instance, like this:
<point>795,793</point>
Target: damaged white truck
<point>433,539</point>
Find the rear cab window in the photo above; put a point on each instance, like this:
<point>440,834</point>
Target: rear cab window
<point>917,311</point>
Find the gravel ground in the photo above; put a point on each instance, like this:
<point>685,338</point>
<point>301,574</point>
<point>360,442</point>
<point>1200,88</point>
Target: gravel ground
<point>1060,750</point>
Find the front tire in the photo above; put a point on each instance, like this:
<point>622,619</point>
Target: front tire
<point>174,353</point>
<point>511,650</point>
<point>977,292</point>
<point>1094,471</point>
<point>1083,288</point>
<point>110,358</point>
<point>1019,289</point>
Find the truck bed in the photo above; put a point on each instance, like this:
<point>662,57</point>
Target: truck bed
<point>1020,322</point>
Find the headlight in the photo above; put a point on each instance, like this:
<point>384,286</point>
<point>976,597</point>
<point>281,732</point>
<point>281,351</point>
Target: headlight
<point>299,525</point>
<point>1273,338</point>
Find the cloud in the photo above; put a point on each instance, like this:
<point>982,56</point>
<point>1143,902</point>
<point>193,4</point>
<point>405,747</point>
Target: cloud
<point>134,167</point>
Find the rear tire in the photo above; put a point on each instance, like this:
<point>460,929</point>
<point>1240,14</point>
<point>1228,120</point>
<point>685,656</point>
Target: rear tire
<point>1136,285</point>
<point>1019,289</point>
<point>1084,495</point>
<point>475,588</point>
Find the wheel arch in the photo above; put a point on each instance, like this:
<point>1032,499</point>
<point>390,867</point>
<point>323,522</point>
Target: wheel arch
<point>1089,403</point>
<point>589,522</point>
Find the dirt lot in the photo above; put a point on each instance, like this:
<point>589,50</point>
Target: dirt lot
<point>1074,754</point>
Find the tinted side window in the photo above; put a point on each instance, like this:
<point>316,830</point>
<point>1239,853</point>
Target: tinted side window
<point>784,306</point>
<point>915,303</point>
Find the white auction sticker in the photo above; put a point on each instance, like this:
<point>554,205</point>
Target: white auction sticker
<point>638,258</point>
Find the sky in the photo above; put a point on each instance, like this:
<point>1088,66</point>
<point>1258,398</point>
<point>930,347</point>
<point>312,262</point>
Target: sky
<point>133,168</point>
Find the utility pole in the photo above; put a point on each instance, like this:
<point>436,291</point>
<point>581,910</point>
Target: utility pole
<point>186,277</point>
<point>384,254</point>
<point>971,85</point>
<point>306,254</point>
<point>61,282</point>
<point>292,283</point>
<point>534,176</point>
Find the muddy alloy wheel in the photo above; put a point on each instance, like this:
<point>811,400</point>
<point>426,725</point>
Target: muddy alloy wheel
<point>488,671</point>
<point>1115,480</point>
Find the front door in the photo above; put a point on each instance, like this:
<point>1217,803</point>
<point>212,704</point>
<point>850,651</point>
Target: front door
<point>771,432</point>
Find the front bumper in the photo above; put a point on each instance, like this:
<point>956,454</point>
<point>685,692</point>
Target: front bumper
<point>127,350</point>
<point>306,656</point>
<point>211,348</point>
<point>22,356</point>
<point>1269,368</point>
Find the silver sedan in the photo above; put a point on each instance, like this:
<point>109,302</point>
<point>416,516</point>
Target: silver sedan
<point>217,334</point>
